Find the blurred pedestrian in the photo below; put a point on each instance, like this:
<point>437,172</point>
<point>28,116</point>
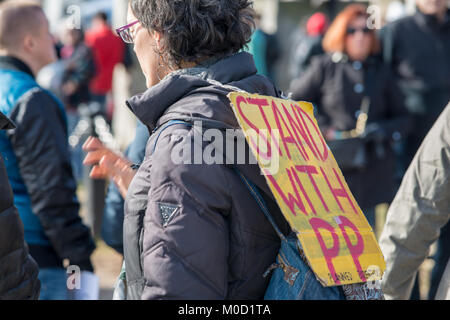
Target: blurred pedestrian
<point>308,45</point>
<point>79,69</point>
<point>36,152</point>
<point>258,47</point>
<point>18,270</point>
<point>265,49</point>
<point>191,231</point>
<point>339,84</point>
<point>418,213</point>
<point>108,51</point>
<point>417,48</point>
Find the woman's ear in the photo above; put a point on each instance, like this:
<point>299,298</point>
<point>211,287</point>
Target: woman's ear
<point>157,36</point>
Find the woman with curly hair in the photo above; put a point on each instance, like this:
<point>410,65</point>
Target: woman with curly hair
<point>191,230</point>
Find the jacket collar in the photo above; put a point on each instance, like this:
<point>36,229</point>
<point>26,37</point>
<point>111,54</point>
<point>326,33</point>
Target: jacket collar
<point>151,105</point>
<point>13,63</point>
<point>431,22</point>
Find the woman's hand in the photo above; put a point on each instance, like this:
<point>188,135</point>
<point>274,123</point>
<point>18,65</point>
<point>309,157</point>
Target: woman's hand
<point>107,164</point>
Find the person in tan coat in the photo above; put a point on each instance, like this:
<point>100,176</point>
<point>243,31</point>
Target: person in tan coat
<point>419,211</point>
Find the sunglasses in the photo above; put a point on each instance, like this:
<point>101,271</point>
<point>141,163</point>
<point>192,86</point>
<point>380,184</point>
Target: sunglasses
<point>365,30</point>
<point>125,32</point>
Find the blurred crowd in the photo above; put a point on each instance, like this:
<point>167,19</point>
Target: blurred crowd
<point>394,81</point>
<point>376,91</point>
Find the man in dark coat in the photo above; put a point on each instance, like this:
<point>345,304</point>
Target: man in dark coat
<point>18,271</point>
<point>417,48</point>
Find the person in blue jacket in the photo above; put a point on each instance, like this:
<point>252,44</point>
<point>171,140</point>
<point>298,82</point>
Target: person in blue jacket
<point>36,152</point>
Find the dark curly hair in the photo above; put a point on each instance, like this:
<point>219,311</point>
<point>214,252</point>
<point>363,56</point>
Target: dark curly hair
<point>195,30</point>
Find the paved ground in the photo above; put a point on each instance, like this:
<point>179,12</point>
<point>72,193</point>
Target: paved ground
<point>107,263</point>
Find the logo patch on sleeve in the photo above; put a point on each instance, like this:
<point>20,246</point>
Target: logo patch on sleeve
<point>167,211</point>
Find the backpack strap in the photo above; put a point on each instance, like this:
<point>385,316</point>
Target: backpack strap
<point>164,127</point>
<point>260,201</point>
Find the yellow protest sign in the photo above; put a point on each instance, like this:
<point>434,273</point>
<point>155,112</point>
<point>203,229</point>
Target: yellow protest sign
<point>309,188</point>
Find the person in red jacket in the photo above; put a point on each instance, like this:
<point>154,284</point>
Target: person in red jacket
<point>108,51</point>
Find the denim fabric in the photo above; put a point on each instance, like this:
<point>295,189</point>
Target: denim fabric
<point>298,283</point>
<point>112,224</point>
<point>53,284</point>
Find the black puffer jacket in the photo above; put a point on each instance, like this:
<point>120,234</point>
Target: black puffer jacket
<point>18,270</point>
<point>193,231</point>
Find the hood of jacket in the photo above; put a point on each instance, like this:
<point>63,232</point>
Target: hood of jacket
<point>165,101</point>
